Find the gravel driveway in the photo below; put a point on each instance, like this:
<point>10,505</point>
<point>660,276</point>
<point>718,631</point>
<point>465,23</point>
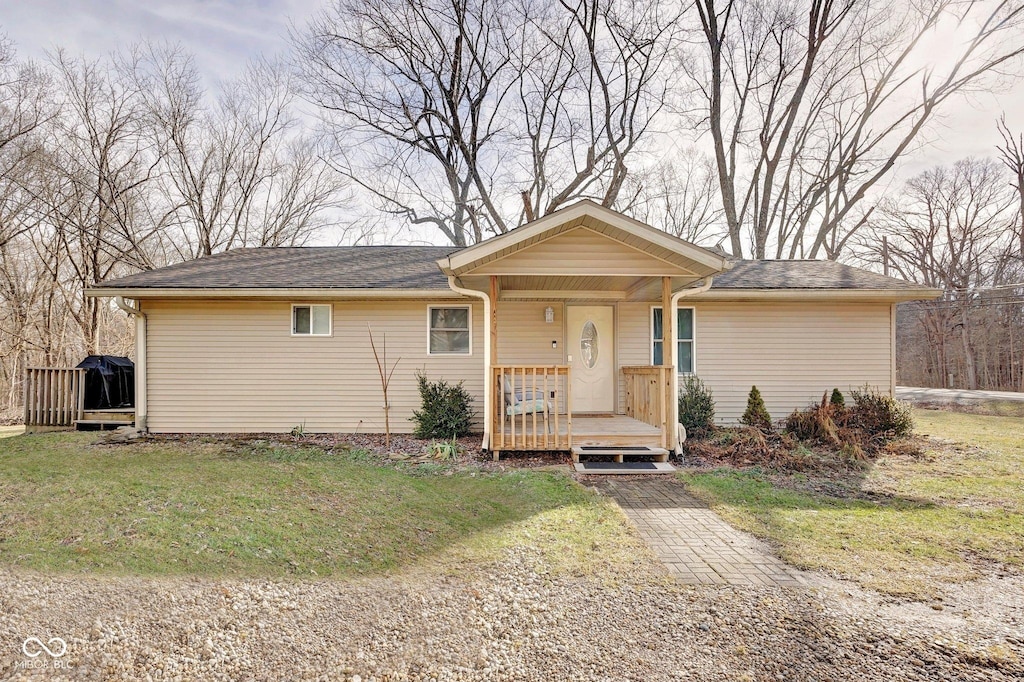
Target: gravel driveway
<point>504,622</point>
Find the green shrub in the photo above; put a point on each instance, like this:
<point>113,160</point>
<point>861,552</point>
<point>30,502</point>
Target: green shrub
<point>756,414</point>
<point>880,414</point>
<point>837,400</point>
<point>696,406</point>
<point>446,411</point>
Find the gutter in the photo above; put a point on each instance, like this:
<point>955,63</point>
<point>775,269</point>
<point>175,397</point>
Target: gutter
<point>682,293</point>
<point>454,285</point>
<point>302,294</point>
<point>866,295</point>
<point>141,404</point>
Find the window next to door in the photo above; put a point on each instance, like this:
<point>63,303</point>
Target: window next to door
<point>684,336</point>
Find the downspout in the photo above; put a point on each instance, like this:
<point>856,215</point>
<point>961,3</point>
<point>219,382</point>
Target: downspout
<point>488,389</point>
<point>705,285</point>
<point>141,408</point>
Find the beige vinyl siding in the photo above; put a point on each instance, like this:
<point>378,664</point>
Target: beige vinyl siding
<point>524,338</point>
<point>581,251</point>
<point>233,366</point>
<point>793,352</point>
<point>633,342</point>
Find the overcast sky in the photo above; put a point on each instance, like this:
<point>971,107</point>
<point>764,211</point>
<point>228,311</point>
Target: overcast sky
<point>223,34</point>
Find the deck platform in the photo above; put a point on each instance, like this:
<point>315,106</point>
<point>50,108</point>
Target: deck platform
<point>607,431</point>
<point>613,429</point>
<point>105,419</point>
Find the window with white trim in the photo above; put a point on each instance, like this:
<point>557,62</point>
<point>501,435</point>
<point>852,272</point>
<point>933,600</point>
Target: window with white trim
<point>684,339</point>
<point>311,320</point>
<point>448,330</point>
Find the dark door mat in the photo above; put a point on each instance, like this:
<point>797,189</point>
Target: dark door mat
<point>623,467</point>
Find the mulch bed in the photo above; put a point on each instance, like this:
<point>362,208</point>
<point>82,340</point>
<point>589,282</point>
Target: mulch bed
<point>403,447</point>
<point>743,448</point>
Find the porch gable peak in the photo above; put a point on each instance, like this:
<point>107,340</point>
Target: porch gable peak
<point>584,231</point>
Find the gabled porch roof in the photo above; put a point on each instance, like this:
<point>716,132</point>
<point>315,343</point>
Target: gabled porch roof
<point>583,249</point>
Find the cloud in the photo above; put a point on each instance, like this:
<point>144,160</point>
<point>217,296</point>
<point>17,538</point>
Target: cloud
<point>223,34</point>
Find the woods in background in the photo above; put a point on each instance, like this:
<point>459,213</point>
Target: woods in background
<point>961,229</point>
<point>112,166</point>
<point>770,129</point>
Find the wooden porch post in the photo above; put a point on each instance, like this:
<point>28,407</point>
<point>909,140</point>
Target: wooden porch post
<point>494,320</point>
<point>496,399</point>
<point>668,356</point>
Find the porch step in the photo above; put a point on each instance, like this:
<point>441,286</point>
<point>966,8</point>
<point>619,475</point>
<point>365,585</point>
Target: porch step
<point>103,424</point>
<point>122,415</point>
<point>621,468</point>
<point>619,452</point>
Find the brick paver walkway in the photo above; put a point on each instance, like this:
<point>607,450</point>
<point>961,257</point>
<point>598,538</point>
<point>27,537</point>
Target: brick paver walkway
<point>693,541</point>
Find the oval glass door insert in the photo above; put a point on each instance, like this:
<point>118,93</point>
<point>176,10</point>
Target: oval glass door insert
<point>589,345</point>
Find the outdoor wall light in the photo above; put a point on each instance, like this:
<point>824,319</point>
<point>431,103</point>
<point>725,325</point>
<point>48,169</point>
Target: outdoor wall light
<point>549,314</point>
<point>554,344</point>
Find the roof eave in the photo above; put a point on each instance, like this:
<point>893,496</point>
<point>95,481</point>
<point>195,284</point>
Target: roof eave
<point>886,295</point>
<point>276,293</point>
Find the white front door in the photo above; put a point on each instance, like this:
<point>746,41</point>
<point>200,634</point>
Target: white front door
<point>590,348</point>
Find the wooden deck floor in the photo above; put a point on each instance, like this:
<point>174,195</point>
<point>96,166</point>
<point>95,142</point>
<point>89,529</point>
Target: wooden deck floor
<point>613,429</point>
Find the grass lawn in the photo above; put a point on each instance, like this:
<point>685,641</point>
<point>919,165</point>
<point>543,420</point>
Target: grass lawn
<point>907,524</point>
<point>1002,408</point>
<point>252,509</point>
<point>6,431</point>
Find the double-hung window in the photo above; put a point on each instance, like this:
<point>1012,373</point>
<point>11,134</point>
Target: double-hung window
<point>684,339</point>
<point>311,320</point>
<point>448,332</point>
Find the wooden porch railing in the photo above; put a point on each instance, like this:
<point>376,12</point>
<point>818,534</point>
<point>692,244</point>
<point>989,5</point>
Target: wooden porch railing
<point>649,398</point>
<point>54,397</point>
<point>528,408</point>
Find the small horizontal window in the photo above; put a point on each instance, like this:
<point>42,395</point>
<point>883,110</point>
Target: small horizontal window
<point>449,330</point>
<point>311,320</point>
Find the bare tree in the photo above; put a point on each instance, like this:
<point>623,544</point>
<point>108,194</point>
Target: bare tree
<point>679,196</point>
<point>470,116</point>
<point>121,164</point>
<point>385,374</point>
<point>809,106</point>
<point>99,169</point>
<point>25,104</point>
<point>1011,153</point>
<point>951,228</point>
<point>237,173</point>
<point>589,92</point>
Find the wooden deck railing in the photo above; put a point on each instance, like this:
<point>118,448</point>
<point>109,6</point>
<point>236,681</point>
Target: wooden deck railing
<point>54,397</point>
<point>531,408</point>
<point>649,397</point>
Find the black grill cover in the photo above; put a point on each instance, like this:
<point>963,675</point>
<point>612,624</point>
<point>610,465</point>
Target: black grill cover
<point>109,382</point>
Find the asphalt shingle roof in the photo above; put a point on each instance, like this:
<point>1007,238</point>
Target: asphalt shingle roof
<point>304,267</point>
<point>414,267</point>
<point>804,274</point>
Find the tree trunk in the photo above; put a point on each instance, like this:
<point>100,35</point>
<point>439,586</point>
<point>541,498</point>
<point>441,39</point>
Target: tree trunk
<point>970,369</point>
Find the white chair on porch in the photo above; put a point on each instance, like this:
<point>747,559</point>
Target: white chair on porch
<point>522,400</point>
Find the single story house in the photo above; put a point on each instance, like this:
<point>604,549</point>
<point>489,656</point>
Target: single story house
<point>557,328</point>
